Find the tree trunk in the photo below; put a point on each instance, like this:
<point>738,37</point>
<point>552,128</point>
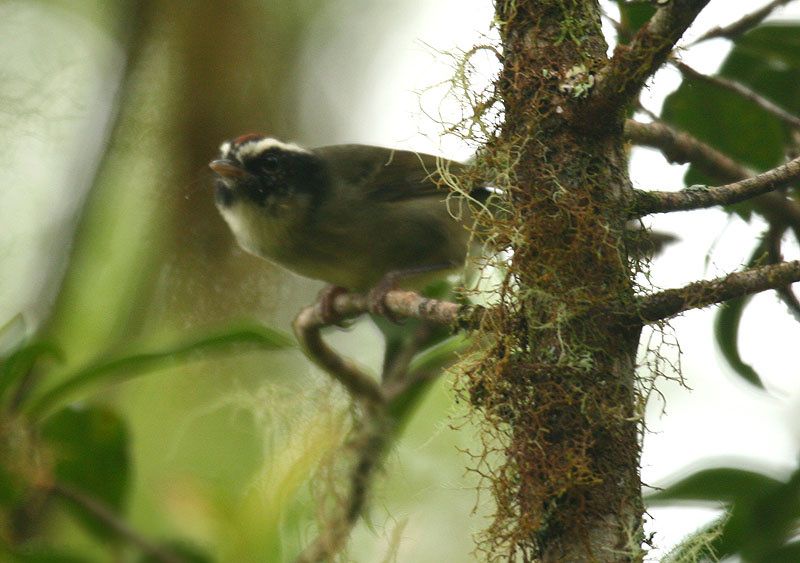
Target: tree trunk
<point>561,387</point>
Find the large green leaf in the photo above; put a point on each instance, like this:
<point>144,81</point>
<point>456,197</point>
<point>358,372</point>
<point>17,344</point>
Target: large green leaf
<point>722,484</point>
<point>789,552</point>
<point>89,450</point>
<point>760,526</point>
<point>17,365</point>
<point>633,15</point>
<point>729,318</point>
<point>726,333</point>
<point>762,513</point>
<point>767,60</point>
<point>127,367</point>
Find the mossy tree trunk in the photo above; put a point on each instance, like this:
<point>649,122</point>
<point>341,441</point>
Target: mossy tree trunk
<point>562,384</point>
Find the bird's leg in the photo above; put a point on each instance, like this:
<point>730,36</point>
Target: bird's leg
<point>326,297</point>
<point>377,295</point>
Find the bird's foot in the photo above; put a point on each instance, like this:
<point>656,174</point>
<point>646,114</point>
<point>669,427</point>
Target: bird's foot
<point>377,296</point>
<point>326,297</point>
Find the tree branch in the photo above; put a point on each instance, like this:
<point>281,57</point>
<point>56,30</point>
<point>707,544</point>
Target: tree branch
<point>774,241</point>
<point>618,84</point>
<point>741,90</point>
<point>369,442</point>
<point>358,383</point>
<point>374,429</point>
<point>104,514</point>
<point>697,295</point>
<point>679,146</point>
<point>402,304</point>
<point>699,197</point>
<point>743,25</point>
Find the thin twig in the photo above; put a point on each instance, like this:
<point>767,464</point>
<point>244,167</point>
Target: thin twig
<point>398,365</point>
<point>374,430</point>
<point>402,304</point>
<point>697,295</point>
<point>740,89</point>
<point>374,427</point>
<point>355,380</point>
<point>619,83</point>
<point>743,25</point>
<point>370,442</point>
<point>774,242</point>
<point>699,197</point>
<point>681,147</point>
<point>106,515</point>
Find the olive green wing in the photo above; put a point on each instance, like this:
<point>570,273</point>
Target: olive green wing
<point>388,174</point>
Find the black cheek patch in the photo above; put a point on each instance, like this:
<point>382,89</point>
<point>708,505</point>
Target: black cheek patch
<point>224,195</point>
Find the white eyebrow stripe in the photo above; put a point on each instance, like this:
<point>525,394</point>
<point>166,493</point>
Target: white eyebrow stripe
<point>225,148</point>
<point>252,148</point>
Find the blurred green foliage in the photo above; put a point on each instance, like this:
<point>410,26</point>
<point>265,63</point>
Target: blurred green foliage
<point>761,513</point>
<point>760,521</point>
<point>212,453</point>
<point>209,450</point>
<point>766,60</point>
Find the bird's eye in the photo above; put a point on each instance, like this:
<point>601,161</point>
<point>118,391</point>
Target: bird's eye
<point>269,162</point>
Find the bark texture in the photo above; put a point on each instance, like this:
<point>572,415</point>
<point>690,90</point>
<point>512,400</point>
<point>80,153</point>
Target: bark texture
<point>561,388</point>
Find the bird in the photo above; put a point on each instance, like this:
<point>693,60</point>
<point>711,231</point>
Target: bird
<point>361,218</point>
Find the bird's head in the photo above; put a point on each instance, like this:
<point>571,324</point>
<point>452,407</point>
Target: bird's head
<point>270,174</point>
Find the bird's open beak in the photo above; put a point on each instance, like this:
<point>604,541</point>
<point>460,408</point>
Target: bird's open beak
<point>228,168</point>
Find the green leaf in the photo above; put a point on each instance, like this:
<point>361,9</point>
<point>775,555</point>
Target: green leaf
<point>789,552</point>
<point>16,366</point>
<point>765,523</point>
<point>726,333</point>
<point>441,354</point>
<point>432,359</point>
<point>766,60</point>
<point>12,334</point>
<point>723,484</point>
<point>89,448</point>
<point>761,517</point>
<point>729,318</point>
<point>633,15</point>
<point>128,367</point>
<point>726,121</point>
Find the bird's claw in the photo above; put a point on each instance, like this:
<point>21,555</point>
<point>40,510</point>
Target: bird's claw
<point>326,297</point>
<point>377,298</point>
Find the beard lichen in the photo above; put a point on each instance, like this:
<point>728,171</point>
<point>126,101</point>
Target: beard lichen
<point>553,382</point>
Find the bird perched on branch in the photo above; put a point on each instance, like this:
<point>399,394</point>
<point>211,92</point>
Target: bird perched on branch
<point>358,217</point>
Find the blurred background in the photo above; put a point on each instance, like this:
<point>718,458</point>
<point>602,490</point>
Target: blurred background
<point>111,245</point>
